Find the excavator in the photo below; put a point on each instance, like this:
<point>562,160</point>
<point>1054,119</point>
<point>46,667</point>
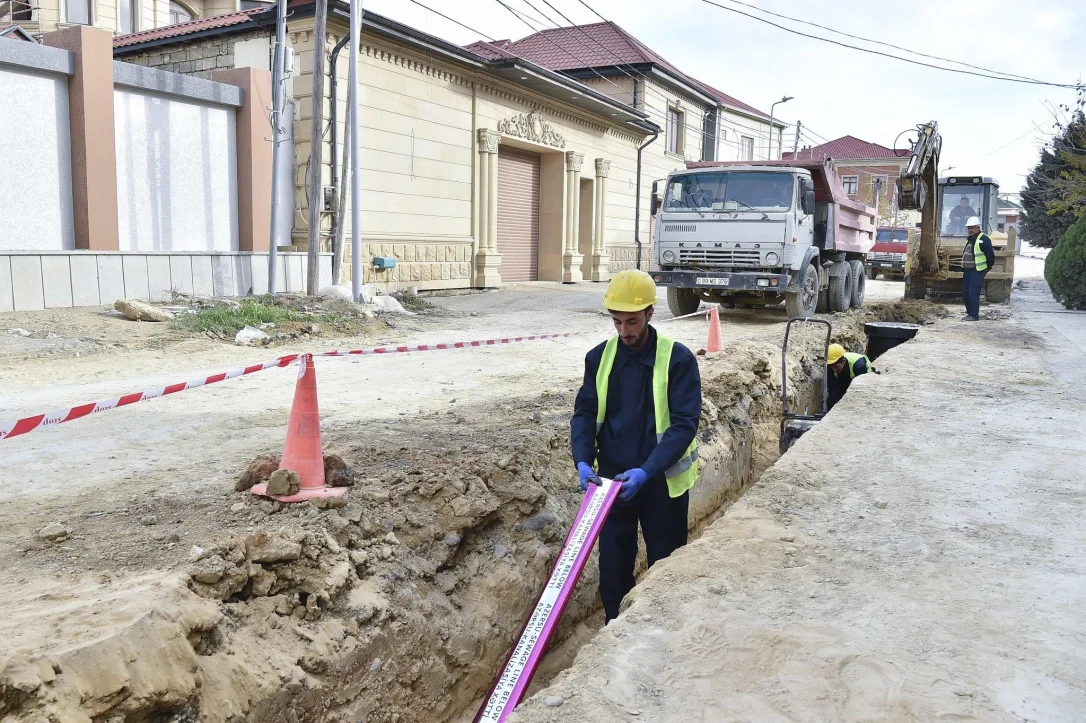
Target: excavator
<point>934,259</point>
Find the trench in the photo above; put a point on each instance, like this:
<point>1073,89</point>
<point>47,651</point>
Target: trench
<point>400,607</point>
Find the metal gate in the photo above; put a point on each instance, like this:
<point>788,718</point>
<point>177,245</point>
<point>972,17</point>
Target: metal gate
<point>518,214</point>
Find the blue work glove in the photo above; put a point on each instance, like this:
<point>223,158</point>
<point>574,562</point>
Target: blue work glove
<point>632,481</point>
<point>587,475</point>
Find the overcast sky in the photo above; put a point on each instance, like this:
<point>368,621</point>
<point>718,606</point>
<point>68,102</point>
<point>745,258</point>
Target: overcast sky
<point>988,126</point>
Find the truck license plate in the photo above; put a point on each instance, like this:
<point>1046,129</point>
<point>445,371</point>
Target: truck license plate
<point>704,281</point>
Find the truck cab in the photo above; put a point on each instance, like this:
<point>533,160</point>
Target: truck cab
<point>757,234</point>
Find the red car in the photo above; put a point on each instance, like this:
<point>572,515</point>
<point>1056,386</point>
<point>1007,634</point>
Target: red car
<point>888,253</point>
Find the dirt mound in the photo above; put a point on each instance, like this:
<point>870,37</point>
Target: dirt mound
<point>399,605</point>
<point>848,328</point>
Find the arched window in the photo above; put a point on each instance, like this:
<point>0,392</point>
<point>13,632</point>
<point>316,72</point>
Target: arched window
<point>180,13</point>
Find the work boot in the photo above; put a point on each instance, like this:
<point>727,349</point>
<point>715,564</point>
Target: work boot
<point>971,318</point>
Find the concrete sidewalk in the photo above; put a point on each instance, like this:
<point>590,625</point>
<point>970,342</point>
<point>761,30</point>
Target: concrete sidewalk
<point>920,555</point>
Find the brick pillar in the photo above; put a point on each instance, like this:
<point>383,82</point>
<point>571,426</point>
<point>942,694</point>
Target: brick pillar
<point>254,151</point>
<point>94,154</point>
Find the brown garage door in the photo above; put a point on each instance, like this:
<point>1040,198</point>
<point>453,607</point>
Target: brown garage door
<point>518,214</point>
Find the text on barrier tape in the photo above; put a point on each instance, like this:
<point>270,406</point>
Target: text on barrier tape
<point>511,684</point>
<point>51,419</point>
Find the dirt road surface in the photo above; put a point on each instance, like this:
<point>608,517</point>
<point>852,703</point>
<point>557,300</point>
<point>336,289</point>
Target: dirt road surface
<point>919,556</point>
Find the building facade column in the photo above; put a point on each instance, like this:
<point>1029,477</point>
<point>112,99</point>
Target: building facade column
<point>573,258</point>
<point>254,155</point>
<point>487,258</point>
<point>601,260</point>
<point>93,154</point>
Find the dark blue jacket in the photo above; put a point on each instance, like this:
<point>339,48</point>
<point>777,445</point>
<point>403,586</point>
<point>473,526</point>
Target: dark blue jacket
<point>627,439</point>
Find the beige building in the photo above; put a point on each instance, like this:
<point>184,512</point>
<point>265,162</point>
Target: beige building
<point>479,166</point>
<point>38,17</point>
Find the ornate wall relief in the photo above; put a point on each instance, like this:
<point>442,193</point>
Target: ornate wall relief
<point>532,127</point>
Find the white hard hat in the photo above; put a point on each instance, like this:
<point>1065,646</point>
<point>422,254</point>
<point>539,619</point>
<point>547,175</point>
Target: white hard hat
<point>973,221</point>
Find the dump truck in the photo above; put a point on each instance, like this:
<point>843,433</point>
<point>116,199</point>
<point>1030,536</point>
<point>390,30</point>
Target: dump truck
<point>934,259</point>
<point>759,233</point>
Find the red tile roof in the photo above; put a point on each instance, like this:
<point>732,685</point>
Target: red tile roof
<point>597,45</point>
<point>192,26</point>
<point>849,147</point>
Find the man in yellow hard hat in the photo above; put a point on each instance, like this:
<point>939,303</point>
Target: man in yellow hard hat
<point>635,420</point>
<point>841,368</point>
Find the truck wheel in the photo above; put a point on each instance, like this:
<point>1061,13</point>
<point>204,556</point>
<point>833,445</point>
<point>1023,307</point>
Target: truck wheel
<point>682,301</point>
<point>872,274</point>
<point>995,291</point>
<point>804,300</point>
<point>859,282</point>
<point>841,287</point>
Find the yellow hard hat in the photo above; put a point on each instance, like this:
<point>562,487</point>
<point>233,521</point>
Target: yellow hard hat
<point>630,290</point>
<point>836,351</point>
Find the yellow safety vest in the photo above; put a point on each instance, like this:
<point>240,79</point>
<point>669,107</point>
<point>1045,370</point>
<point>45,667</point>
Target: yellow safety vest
<point>980,261</point>
<point>852,358</point>
<point>684,473</point>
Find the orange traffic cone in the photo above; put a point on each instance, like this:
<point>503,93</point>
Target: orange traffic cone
<point>715,343</point>
<point>302,453</point>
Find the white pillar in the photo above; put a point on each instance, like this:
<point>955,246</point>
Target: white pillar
<point>487,258</point>
<point>601,260</point>
<point>573,258</point>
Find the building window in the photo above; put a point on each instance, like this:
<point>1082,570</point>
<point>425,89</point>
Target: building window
<point>1001,226</point>
<point>253,4</point>
<point>675,130</point>
<point>851,184</point>
<point>179,13</point>
<point>78,12</point>
<point>746,148</point>
<point>128,11</point>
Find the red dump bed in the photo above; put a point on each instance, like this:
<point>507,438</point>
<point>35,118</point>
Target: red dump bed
<point>854,222</point>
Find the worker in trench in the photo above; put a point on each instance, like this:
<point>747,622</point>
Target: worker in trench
<point>635,421</point>
<point>978,257</point>
<point>841,368</point>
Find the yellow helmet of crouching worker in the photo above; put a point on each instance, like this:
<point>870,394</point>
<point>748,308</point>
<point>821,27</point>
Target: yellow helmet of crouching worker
<point>835,352</point>
<point>630,290</point>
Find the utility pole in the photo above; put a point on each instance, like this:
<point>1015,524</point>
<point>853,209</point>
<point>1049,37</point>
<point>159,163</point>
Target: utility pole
<point>316,143</point>
<point>355,141</point>
<point>795,144</point>
<point>277,137</point>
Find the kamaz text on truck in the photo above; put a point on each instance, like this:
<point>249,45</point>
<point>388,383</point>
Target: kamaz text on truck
<point>759,233</point>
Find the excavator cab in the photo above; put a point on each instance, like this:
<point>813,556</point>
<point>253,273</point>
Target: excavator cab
<point>963,196</point>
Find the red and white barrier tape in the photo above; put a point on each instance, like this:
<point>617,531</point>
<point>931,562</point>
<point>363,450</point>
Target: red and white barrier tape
<point>447,346</point>
<point>29,424</point>
<point>512,683</point>
<point>702,312</point>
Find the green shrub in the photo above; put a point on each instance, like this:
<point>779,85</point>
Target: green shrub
<point>1065,267</point>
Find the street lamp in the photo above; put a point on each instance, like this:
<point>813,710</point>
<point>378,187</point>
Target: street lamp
<point>769,148</point>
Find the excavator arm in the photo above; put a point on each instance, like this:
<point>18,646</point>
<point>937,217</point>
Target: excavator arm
<point>918,190</point>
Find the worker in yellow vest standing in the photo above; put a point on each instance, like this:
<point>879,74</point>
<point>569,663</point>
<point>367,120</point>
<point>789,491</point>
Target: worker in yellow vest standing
<point>979,256</point>
<point>842,367</point>
<point>635,420</point>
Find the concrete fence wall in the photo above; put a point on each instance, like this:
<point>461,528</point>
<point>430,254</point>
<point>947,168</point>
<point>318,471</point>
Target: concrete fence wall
<point>122,180</point>
<point>177,180</point>
<point>51,280</point>
<point>35,148</point>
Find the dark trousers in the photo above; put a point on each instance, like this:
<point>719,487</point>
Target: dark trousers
<point>972,281</point>
<point>663,523</point>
